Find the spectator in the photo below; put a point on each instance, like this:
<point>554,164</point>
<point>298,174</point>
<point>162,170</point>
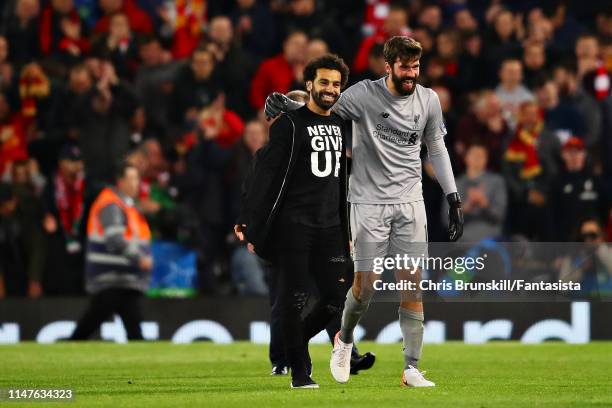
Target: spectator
<point>234,65</point>
<point>63,220</point>
<point>154,85</point>
<point>591,264</point>
<point>484,197</point>
<point>576,192</point>
<point>566,28</point>
<point>563,119</point>
<point>501,43</point>
<point>27,186</point>
<point>12,135</point>
<point>424,37</point>
<point>280,73</point>
<point>603,23</point>
<point>247,273</point>
<point>573,95</point>
<point>471,66</point>
<point>119,46</point>
<point>139,21</point>
<point>104,115</point>
<point>591,70</point>
<point>64,100</point>
<point>26,172</point>
<point>199,180</point>
<point>442,68</point>
<point>57,24</point>
<point>376,66</point>
<point>510,91</point>
<point>21,31</point>
<point>484,125</point>
<point>465,22</point>
<point>528,168</point>
<point>150,163</point>
<point>587,53</point>
<point>534,60</point>
<point>303,16</point>
<point>430,18</point>
<point>195,87</point>
<point>255,28</point>
<point>73,44</point>
<point>540,29</point>
<point>255,136</point>
<point>316,48</point>
<point>220,124</point>
<point>396,23</point>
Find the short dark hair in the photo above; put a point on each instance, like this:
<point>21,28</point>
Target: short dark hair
<point>403,48</point>
<point>121,168</point>
<point>328,61</point>
<point>298,95</point>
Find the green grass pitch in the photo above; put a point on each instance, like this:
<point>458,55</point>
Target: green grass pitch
<point>500,374</point>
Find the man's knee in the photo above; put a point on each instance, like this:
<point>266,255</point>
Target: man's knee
<point>295,302</point>
<point>412,306</point>
<point>363,286</point>
<point>334,306</point>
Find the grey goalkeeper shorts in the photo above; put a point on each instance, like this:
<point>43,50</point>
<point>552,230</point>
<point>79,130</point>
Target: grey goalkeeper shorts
<point>387,230</point>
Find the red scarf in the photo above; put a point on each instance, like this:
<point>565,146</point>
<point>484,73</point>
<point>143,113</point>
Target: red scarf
<point>191,17</point>
<point>69,202</point>
<point>523,148</point>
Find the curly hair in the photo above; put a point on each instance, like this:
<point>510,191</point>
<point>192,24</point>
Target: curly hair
<point>328,61</point>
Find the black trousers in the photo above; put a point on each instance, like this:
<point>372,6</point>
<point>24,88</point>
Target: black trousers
<point>124,302</point>
<point>306,255</point>
<point>277,348</point>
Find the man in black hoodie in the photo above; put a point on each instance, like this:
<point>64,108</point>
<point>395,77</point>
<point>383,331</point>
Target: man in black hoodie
<point>294,211</point>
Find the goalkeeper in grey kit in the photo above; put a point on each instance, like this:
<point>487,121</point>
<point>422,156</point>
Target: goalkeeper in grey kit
<point>391,117</point>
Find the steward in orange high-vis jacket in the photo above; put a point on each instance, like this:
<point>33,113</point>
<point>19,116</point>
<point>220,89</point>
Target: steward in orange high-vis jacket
<point>118,258</point>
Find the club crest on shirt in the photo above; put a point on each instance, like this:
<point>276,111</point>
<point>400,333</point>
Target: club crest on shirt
<point>384,115</point>
<point>416,119</point>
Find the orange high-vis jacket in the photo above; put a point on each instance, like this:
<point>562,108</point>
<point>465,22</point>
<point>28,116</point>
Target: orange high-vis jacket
<point>106,268</point>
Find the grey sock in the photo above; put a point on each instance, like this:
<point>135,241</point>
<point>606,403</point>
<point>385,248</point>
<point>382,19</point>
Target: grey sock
<point>353,310</point>
<point>411,324</point>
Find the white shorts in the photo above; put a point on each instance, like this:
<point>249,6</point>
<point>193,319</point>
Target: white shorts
<point>382,230</point>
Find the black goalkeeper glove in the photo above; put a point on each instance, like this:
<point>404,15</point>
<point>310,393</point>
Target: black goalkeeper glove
<point>455,217</point>
<point>276,103</point>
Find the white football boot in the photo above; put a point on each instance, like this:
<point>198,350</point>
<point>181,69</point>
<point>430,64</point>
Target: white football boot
<point>340,362</point>
<point>412,377</point>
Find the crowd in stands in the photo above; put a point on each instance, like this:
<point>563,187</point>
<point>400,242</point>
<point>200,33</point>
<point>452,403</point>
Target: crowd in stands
<point>178,87</point>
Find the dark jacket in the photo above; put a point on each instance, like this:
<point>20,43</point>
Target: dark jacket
<point>265,188</point>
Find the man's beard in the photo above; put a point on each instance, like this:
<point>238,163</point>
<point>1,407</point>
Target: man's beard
<point>324,104</point>
<point>399,84</point>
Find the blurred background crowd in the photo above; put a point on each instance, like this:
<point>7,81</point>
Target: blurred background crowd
<point>177,88</point>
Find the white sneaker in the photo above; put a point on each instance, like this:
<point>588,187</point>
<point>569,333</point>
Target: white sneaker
<point>340,362</point>
<point>412,377</point>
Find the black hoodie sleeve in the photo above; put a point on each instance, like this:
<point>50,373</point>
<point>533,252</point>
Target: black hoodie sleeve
<point>263,183</point>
